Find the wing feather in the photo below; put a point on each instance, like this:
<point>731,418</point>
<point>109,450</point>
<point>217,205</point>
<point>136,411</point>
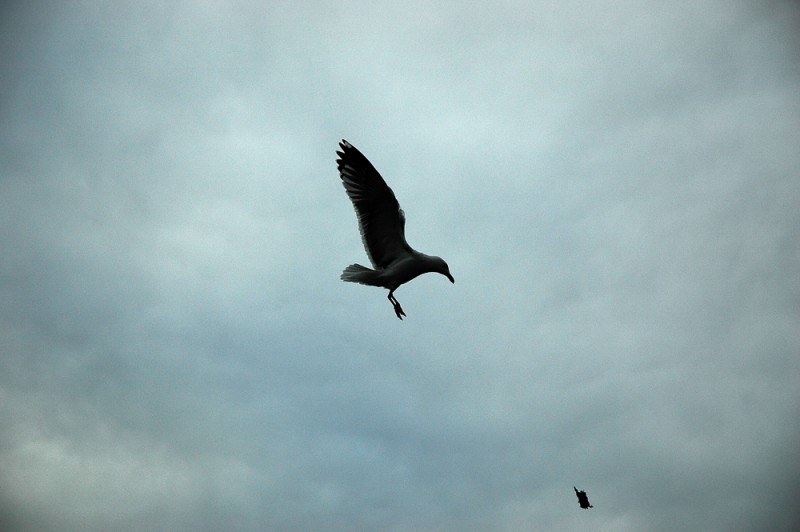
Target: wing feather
<point>380,218</point>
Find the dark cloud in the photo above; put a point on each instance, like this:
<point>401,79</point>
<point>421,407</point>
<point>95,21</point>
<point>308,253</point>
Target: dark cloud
<point>614,188</point>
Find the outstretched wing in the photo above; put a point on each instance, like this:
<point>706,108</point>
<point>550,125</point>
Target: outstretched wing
<point>380,219</point>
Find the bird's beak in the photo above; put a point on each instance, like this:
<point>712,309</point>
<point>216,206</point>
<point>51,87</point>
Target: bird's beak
<point>451,278</point>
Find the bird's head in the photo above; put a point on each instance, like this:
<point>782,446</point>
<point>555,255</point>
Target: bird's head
<point>440,266</point>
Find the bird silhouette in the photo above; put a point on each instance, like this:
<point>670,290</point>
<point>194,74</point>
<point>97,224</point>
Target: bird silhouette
<point>382,225</point>
<point>583,499</point>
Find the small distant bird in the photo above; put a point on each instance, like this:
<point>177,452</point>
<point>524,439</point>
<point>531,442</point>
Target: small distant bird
<point>583,500</point>
<point>382,224</point>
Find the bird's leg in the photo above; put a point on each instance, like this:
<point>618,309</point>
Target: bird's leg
<point>397,308</point>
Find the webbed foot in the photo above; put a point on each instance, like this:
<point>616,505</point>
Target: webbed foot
<point>397,308</point>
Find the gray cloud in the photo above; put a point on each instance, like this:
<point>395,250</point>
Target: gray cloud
<point>614,189</point>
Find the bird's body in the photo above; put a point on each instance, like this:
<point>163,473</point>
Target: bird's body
<point>583,499</point>
<point>382,225</point>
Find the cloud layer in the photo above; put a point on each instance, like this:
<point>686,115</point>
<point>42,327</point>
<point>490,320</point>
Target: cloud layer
<point>615,190</point>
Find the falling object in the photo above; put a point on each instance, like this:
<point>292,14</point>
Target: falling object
<point>583,500</point>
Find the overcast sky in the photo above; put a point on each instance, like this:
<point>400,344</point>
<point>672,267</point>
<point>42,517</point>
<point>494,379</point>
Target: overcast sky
<point>613,184</point>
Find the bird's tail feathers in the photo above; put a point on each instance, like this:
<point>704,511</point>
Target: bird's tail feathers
<point>356,273</point>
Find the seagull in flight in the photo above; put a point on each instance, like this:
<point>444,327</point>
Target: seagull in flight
<point>382,225</point>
